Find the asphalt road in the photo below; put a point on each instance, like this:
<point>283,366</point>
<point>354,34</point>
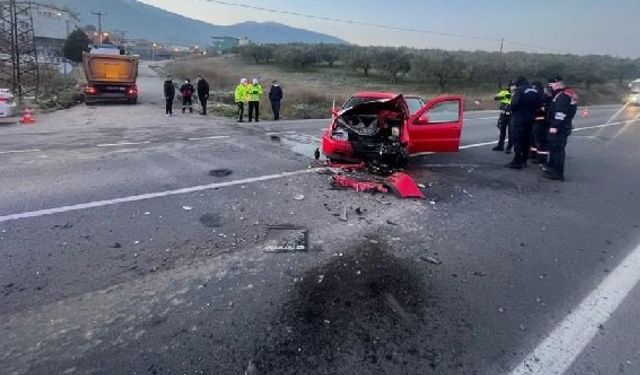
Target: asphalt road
<point>131,243</point>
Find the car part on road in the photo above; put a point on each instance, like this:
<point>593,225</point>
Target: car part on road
<point>286,238</point>
<point>345,182</point>
<point>404,186</point>
<point>220,172</point>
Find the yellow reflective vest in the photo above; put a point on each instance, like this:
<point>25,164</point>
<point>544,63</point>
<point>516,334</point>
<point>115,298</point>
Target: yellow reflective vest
<point>504,96</point>
<point>254,92</point>
<point>241,93</point>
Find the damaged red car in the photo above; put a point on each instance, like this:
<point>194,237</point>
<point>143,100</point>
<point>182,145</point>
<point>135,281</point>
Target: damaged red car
<point>383,129</point>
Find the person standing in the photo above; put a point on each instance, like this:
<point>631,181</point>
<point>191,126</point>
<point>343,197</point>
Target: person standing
<point>169,95</point>
<point>524,103</point>
<point>504,97</point>
<point>255,93</point>
<point>562,109</point>
<point>540,139</point>
<point>275,97</point>
<point>241,97</point>
<point>203,94</point>
<point>187,91</point>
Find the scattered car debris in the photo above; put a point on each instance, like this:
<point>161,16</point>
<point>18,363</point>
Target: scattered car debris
<point>275,138</point>
<point>116,245</point>
<point>220,172</point>
<point>341,181</point>
<point>347,166</point>
<point>432,260</point>
<point>404,186</point>
<point>286,238</point>
<point>343,215</point>
<point>298,197</point>
<point>187,208</point>
<point>391,222</point>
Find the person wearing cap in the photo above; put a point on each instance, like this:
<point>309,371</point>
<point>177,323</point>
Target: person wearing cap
<point>203,94</point>
<point>275,97</point>
<point>504,98</point>
<point>524,103</point>
<point>169,95</point>
<point>187,91</point>
<point>241,97</point>
<point>562,109</point>
<point>254,91</point>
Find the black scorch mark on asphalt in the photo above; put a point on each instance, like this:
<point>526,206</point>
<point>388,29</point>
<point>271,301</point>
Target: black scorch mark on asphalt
<point>368,310</point>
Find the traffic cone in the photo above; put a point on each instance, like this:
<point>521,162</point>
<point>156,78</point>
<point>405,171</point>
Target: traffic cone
<point>27,117</point>
<point>585,112</point>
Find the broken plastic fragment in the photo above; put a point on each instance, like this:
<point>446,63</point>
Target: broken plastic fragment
<point>404,186</point>
<point>341,181</point>
<point>187,208</point>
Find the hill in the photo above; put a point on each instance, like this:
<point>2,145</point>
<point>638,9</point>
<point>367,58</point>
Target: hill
<point>148,22</point>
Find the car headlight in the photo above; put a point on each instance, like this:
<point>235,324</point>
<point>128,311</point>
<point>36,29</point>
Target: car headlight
<point>340,134</point>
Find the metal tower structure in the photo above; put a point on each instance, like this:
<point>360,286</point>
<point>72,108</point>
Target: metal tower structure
<point>18,56</point>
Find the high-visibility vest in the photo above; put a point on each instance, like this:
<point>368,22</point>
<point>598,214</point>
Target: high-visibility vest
<point>504,96</point>
<point>254,92</point>
<point>241,93</point>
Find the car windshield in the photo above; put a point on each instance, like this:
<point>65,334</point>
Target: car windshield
<point>355,100</point>
<point>414,104</point>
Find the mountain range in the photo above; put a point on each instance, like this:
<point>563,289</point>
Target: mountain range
<point>145,21</point>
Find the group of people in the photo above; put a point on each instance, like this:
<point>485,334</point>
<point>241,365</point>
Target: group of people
<point>538,120</point>
<point>246,94</point>
<point>249,94</point>
<point>187,91</point>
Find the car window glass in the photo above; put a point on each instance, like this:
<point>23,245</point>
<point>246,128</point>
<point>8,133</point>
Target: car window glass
<point>414,104</point>
<point>444,112</point>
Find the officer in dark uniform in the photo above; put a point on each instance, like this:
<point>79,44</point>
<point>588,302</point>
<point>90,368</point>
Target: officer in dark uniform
<point>539,152</point>
<point>562,110</point>
<point>504,97</point>
<point>524,103</point>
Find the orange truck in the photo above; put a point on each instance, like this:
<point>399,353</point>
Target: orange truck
<point>111,76</point>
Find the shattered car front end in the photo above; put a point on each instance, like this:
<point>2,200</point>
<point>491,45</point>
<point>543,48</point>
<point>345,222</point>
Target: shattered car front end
<point>373,131</point>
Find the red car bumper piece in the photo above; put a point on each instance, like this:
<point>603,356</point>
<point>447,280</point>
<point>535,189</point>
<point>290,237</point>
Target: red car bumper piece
<point>404,186</point>
<point>336,148</point>
<point>358,185</point>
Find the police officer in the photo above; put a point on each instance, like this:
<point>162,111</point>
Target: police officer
<point>169,95</point>
<point>254,92</point>
<point>540,136</point>
<point>562,110</point>
<point>524,103</point>
<point>240,95</point>
<point>504,98</point>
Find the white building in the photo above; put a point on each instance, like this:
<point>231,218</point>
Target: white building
<point>51,26</point>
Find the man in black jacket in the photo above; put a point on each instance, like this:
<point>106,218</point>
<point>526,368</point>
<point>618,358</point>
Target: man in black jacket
<point>562,110</point>
<point>169,95</point>
<point>203,94</point>
<point>524,103</point>
<point>275,97</point>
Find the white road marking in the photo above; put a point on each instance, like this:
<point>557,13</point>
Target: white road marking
<point>136,198</point>
<point>482,118</point>
<point>211,137</point>
<point>557,352</point>
<point>123,144</point>
<point>465,147</point>
<point>278,133</point>
<point>19,151</point>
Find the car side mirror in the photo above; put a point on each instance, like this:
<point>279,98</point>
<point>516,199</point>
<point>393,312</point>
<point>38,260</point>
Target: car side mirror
<point>423,119</point>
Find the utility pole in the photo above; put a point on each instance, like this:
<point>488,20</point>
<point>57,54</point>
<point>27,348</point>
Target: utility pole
<point>100,15</point>
<point>502,46</point>
<point>18,55</point>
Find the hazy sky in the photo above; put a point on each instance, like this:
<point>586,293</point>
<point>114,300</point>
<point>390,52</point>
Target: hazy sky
<point>575,26</point>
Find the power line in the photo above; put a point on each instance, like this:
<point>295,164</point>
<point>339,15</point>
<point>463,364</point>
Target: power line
<point>380,26</point>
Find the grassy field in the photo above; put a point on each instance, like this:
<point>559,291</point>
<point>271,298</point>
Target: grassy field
<point>310,94</point>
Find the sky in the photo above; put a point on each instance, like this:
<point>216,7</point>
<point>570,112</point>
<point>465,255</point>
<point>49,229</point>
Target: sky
<point>569,26</point>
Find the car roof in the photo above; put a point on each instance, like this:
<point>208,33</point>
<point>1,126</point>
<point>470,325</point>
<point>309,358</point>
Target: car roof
<point>375,95</point>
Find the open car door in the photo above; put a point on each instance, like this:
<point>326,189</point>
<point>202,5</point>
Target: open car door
<point>437,126</point>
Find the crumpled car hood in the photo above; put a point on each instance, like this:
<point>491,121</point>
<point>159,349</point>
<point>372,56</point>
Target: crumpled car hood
<point>397,104</point>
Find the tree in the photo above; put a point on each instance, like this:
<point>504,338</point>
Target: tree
<point>443,66</point>
<point>393,63</point>
<point>360,58</point>
<point>328,53</point>
<point>296,56</point>
<point>76,43</point>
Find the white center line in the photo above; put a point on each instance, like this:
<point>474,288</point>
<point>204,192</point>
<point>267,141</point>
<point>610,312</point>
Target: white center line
<point>211,137</point>
<point>136,198</point>
<point>557,352</point>
<point>123,144</point>
<point>19,151</point>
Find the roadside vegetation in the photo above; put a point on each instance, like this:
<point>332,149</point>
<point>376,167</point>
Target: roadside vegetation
<point>313,76</point>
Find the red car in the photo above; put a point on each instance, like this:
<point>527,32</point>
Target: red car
<point>383,129</point>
